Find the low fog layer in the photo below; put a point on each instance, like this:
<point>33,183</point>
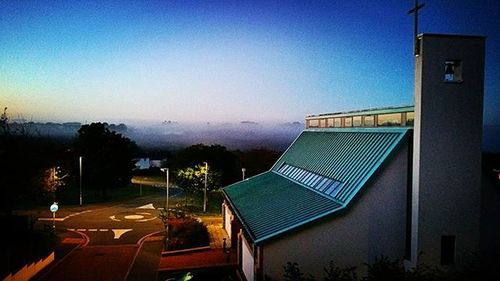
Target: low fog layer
<point>243,135</point>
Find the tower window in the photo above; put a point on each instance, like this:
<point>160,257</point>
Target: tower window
<point>447,249</point>
<point>453,71</point>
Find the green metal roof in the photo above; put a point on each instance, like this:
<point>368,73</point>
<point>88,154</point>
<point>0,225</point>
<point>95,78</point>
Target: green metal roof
<point>277,201</point>
<point>269,204</point>
<point>347,155</point>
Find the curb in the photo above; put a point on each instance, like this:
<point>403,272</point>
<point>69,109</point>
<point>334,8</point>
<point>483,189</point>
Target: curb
<point>81,245</point>
<point>139,244</point>
<point>183,251</point>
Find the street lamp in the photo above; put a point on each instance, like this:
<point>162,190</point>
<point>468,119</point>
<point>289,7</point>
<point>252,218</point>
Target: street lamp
<point>243,173</point>
<point>205,191</point>
<point>81,198</point>
<point>166,170</point>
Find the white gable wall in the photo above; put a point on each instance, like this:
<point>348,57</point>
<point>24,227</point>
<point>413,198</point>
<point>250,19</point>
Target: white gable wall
<point>247,260</point>
<point>228,218</point>
<point>374,224</point>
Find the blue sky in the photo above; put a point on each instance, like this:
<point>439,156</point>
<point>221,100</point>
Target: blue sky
<point>198,61</point>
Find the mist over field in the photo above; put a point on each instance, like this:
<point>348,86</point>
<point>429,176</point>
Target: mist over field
<point>174,135</point>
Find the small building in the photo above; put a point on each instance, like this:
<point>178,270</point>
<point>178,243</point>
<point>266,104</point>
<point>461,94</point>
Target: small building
<point>142,163</point>
<point>401,182</point>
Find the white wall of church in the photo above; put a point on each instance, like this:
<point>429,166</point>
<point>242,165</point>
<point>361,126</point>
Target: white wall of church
<point>374,224</point>
<point>228,218</point>
<point>247,260</point>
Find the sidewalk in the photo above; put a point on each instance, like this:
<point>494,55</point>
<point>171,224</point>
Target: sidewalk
<point>212,258</point>
<point>215,230</point>
<point>69,242</point>
<point>196,260</point>
<point>145,266</point>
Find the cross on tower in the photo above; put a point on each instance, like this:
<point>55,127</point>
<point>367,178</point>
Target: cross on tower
<point>414,10</point>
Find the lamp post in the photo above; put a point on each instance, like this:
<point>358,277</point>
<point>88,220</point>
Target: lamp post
<point>243,173</point>
<point>205,191</point>
<point>81,198</point>
<point>166,170</point>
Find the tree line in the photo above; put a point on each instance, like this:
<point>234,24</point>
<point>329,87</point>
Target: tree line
<point>33,167</point>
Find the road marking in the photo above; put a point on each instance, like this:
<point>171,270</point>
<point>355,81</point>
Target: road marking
<point>133,217</point>
<point>66,217</point>
<point>147,206</point>
<point>93,230</point>
<point>113,218</point>
<point>71,229</point>
<point>150,219</point>
<point>103,230</point>
<point>81,229</point>
<point>119,232</point>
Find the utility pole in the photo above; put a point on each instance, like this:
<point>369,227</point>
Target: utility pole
<point>81,198</point>
<point>205,191</point>
<point>167,207</point>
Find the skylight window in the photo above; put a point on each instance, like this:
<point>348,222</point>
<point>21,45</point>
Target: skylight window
<point>312,180</point>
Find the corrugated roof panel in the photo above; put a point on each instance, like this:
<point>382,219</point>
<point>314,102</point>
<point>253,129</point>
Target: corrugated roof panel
<point>269,203</point>
<point>350,156</point>
<point>319,174</point>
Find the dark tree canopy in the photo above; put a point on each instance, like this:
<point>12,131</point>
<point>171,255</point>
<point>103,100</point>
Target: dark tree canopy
<point>107,157</point>
<point>257,161</point>
<point>23,160</point>
<point>219,160</point>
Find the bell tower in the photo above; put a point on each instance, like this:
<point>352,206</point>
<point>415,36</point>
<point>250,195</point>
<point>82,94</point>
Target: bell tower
<point>446,179</point>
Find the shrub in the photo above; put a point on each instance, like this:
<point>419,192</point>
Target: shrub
<point>335,273</point>
<point>186,232</point>
<point>293,273</point>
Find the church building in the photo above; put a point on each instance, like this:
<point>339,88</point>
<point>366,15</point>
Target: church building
<point>403,182</point>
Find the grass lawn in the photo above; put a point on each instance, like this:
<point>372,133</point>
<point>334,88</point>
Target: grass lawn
<point>71,194</point>
<point>195,203</point>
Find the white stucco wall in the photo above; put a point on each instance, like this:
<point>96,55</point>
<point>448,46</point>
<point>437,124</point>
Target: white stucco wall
<point>228,217</point>
<point>247,260</point>
<point>373,225</point>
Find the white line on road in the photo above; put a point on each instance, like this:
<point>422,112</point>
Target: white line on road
<point>93,230</point>
<point>119,232</point>
<point>147,206</point>
<point>71,229</point>
<point>150,219</point>
<point>113,218</point>
<point>66,217</point>
<point>81,229</point>
<point>103,230</point>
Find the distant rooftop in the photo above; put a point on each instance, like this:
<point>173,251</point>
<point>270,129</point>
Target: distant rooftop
<point>373,117</point>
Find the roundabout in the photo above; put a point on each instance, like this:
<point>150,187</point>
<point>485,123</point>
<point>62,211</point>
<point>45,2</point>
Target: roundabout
<point>133,216</point>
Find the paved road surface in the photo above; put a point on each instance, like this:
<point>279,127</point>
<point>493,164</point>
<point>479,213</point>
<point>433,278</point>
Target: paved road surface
<point>113,234</point>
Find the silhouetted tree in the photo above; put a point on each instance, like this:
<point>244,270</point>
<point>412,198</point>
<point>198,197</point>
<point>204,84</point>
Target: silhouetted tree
<point>4,123</point>
<point>192,180</point>
<point>107,157</point>
<point>218,158</point>
<point>257,161</point>
<point>23,161</point>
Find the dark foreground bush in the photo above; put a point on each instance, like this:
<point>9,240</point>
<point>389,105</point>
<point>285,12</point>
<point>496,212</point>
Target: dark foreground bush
<point>187,232</point>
